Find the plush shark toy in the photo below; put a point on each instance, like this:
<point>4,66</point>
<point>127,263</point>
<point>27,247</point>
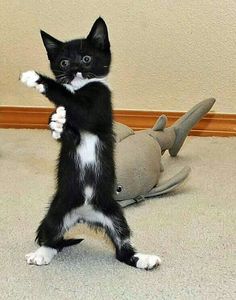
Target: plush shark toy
<point>138,154</point>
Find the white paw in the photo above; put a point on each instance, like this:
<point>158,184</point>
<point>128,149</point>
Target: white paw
<point>42,256</point>
<point>56,135</point>
<point>56,126</point>
<point>147,262</point>
<point>57,121</point>
<point>40,88</point>
<point>29,78</point>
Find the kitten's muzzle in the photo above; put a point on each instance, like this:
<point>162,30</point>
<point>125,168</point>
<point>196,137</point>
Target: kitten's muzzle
<point>79,75</point>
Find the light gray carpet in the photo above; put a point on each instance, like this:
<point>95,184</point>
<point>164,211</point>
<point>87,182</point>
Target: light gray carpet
<point>192,229</point>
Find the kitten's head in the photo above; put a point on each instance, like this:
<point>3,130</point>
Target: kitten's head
<point>83,58</point>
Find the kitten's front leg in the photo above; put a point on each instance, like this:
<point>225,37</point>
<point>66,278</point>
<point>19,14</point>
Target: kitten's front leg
<point>53,90</point>
<point>58,119</point>
<point>76,105</point>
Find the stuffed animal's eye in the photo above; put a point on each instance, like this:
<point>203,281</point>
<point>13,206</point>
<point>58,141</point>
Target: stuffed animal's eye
<point>86,59</point>
<point>65,63</point>
<point>119,189</point>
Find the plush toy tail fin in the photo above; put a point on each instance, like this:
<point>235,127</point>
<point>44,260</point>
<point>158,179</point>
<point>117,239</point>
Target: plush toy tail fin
<point>186,123</point>
<point>67,243</point>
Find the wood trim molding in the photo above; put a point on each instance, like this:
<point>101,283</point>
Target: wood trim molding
<point>213,124</point>
<point>24,117</point>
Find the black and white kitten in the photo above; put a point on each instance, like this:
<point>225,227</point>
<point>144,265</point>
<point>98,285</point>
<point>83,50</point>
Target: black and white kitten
<point>86,171</point>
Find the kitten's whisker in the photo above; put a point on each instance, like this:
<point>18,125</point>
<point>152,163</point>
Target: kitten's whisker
<point>62,79</point>
<point>60,76</point>
<point>62,73</point>
<point>93,75</point>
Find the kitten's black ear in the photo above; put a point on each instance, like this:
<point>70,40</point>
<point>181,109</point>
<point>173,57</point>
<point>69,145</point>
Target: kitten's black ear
<point>98,35</point>
<point>51,44</point>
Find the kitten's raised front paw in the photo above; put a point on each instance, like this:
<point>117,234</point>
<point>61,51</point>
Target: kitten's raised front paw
<point>30,79</point>
<point>58,119</point>
<point>42,256</point>
<point>147,262</point>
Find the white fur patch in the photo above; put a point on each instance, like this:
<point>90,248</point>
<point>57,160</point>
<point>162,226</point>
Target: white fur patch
<point>30,79</point>
<point>70,219</point>
<point>69,87</point>
<point>147,261</point>
<point>78,82</point>
<point>86,151</point>
<point>86,213</point>
<point>42,256</point>
<point>88,193</point>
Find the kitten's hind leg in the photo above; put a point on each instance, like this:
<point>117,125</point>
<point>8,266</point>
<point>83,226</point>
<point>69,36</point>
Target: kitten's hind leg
<point>49,233</point>
<point>119,232</point>
<point>43,255</point>
<point>50,236</point>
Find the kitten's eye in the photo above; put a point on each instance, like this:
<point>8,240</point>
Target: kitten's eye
<point>65,63</point>
<point>86,59</point>
<point>119,189</point>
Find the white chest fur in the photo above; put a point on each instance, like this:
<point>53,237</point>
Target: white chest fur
<point>78,82</point>
<point>87,149</point>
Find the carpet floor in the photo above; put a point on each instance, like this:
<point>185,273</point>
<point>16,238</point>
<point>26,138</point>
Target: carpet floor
<point>192,229</point>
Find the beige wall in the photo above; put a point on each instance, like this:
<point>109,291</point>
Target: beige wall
<point>167,55</point>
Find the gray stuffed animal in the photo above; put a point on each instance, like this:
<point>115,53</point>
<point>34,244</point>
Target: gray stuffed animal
<point>138,154</point>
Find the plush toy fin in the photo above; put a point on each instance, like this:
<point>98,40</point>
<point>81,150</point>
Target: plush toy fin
<point>128,202</point>
<point>122,131</point>
<point>170,184</point>
<point>160,123</point>
<point>186,123</point>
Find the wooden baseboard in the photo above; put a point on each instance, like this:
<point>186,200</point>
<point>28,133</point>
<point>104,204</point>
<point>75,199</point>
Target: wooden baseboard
<point>213,124</point>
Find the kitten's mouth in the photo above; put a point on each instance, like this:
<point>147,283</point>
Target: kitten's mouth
<point>81,76</point>
<point>78,78</point>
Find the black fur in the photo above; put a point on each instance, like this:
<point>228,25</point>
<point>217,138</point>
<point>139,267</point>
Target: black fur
<point>89,109</point>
